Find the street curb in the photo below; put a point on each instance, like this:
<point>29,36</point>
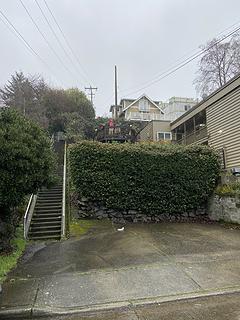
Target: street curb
<point>27,312</point>
<point>185,296</point>
<point>40,312</point>
<point>16,312</point>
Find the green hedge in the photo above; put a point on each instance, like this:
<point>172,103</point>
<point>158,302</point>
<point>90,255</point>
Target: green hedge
<point>149,177</point>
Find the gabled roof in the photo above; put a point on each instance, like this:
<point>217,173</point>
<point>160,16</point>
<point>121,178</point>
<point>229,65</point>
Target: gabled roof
<point>142,96</point>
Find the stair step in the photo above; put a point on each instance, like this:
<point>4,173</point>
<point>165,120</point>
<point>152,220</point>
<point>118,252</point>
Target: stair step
<point>46,228</point>
<point>48,205</point>
<point>51,214</point>
<point>45,233</point>
<point>45,219</point>
<point>52,189</point>
<point>43,214</point>
<point>50,210</point>
<point>49,200</point>
<point>46,223</point>
<point>40,207</point>
<point>50,195</point>
<point>44,237</point>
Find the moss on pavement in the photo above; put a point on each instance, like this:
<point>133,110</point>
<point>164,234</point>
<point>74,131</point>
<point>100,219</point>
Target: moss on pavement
<point>80,227</point>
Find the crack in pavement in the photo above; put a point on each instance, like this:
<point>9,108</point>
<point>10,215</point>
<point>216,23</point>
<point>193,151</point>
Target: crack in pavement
<point>171,260</point>
<point>34,300</point>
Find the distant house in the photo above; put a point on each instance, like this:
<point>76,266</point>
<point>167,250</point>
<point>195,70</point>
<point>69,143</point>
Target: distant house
<point>215,121</point>
<point>145,109</point>
<point>176,107</point>
<point>141,109</point>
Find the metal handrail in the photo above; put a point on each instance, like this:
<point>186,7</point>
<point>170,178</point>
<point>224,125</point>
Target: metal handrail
<point>63,229</point>
<point>28,214</point>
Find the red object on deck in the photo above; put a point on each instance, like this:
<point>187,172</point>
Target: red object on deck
<point>110,123</point>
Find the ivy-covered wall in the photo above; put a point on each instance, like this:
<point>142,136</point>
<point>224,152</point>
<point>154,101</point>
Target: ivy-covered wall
<point>151,178</point>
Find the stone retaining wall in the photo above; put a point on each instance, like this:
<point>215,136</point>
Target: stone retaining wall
<point>89,209</point>
<point>225,208</point>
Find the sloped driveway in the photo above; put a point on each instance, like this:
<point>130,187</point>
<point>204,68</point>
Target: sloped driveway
<point>110,268</point>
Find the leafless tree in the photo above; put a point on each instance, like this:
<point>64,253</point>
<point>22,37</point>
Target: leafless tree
<point>218,65</point>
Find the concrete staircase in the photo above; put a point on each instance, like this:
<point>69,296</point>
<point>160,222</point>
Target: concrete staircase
<point>46,222</point>
<point>47,217</point>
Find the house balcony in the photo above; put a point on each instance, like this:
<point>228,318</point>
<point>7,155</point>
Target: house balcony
<point>110,134</point>
<point>143,116</point>
<point>199,136</point>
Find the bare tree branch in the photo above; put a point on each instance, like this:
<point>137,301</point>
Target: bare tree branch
<point>218,65</point>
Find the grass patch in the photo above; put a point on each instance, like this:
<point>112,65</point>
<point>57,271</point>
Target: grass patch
<point>80,227</point>
<point>231,189</point>
<point>7,262</point>
<point>229,225</point>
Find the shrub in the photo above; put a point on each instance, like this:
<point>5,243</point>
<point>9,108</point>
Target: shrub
<point>26,164</point>
<point>148,177</point>
<point>230,189</point>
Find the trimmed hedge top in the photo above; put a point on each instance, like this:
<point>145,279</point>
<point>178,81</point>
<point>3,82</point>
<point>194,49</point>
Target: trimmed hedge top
<point>148,177</point>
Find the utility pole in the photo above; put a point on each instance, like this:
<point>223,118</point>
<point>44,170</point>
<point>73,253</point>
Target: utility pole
<point>91,92</point>
<point>116,98</point>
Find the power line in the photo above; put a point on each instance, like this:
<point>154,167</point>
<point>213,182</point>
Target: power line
<point>14,30</point>
<point>46,40</point>
<point>184,62</point>
<point>192,52</point>
<point>67,42</point>
<point>91,92</point>
<point>55,35</point>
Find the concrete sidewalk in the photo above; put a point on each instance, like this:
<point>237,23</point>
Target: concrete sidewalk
<point>108,269</point>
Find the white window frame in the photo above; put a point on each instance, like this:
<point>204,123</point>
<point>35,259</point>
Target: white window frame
<point>145,103</point>
<point>164,133</point>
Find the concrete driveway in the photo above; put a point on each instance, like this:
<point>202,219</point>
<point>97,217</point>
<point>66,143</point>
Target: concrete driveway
<point>140,265</point>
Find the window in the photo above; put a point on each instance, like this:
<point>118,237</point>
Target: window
<point>167,136</point>
<point>143,105</point>
<point>186,107</point>
<point>164,136</point>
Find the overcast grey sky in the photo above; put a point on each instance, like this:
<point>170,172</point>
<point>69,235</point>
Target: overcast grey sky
<point>142,37</point>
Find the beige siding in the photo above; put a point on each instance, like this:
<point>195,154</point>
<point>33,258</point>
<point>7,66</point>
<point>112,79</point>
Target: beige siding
<point>133,108</point>
<point>147,132</point>
<point>160,126</point>
<point>152,108</point>
<point>223,123</point>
